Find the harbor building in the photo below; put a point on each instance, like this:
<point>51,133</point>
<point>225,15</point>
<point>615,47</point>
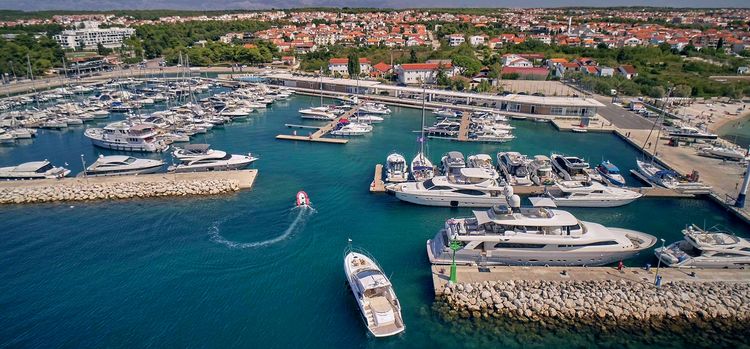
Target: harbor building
<point>91,37</point>
<point>511,103</point>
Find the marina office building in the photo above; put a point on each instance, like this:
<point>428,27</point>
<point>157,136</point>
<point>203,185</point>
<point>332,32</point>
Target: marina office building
<point>89,38</point>
<point>513,103</point>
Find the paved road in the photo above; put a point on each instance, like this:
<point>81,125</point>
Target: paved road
<point>621,117</point>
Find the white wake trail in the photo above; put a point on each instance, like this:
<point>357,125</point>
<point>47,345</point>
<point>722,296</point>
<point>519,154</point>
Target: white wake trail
<point>304,212</point>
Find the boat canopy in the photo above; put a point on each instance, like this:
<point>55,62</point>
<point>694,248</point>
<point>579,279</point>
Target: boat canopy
<point>31,166</point>
<point>197,147</point>
<point>455,155</point>
<point>662,173</point>
<point>369,279</point>
<point>476,172</point>
<point>542,202</point>
<point>610,167</point>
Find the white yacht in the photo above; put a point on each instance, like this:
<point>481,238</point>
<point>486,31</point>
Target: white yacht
<point>571,168</point>
<point>540,170</point>
<point>367,118</point>
<point>726,153</point>
<point>446,113</point>
<point>395,169</point>
<point>452,163</point>
<point>514,168</point>
<point>514,235</point>
<point>374,108</point>
<point>590,194</point>
<point>467,187</point>
<point>33,170</point>
<point>124,136</point>
<point>351,129</point>
<point>317,113</point>
<point>691,132</point>
<point>374,293</point>
<point>200,158</point>
<point>706,249</point>
<point>116,165</point>
<point>654,173</point>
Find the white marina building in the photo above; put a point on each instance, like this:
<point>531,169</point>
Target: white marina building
<point>89,38</point>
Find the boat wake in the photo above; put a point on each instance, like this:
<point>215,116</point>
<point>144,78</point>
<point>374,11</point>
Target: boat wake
<point>303,213</point>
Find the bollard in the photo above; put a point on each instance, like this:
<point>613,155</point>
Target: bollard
<point>658,281</point>
<point>648,267</point>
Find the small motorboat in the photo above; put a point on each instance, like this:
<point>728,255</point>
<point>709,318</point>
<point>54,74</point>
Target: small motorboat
<point>302,199</point>
<point>611,173</point>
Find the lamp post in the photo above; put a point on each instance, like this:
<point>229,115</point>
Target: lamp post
<point>658,264</point>
<point>455,246</point>
<point>83,163</point>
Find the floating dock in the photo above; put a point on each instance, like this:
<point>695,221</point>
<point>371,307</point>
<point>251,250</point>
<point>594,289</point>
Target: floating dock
<point>472,274</point>
<point>317,136</point>
<point>377,185</point>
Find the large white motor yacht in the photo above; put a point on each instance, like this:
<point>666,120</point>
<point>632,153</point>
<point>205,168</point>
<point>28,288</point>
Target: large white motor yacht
<point>590,194</point>
<point>317,113</point>
<point>514,235</point>
<point>199,158</point>
<point>374,108</point>
<point>33,170</point>
<point>116,165</point>
<point>540,170</point>
<point>124,136</point>
<point>706,249</point>
<point>374,293</point>
<point>571,168</point>
<point>395,168</point>
<point>469,187</point>
<point>352,129</point>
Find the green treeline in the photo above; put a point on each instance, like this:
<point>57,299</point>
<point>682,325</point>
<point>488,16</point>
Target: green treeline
<point>44,53</point>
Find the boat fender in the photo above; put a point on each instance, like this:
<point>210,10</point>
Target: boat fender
<point>546,265</point>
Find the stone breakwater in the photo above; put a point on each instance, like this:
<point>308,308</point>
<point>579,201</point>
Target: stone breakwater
<point>593,302</point>
<point>82,191</point>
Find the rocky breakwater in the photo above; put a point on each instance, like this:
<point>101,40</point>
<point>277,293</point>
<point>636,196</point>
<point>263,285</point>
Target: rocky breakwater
<point>598,302</point>
<point>82,191</point>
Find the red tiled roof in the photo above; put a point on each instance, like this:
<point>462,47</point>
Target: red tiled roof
<point>423,66</point>
<point>382,67</point>
<point>628,68</point>
<point>338,61</point>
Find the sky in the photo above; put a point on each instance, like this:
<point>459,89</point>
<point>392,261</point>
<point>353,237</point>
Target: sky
<point>31,5</point>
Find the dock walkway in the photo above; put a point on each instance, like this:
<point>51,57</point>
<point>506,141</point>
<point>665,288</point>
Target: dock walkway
<point>377,185</point>
<point>317,136</point>
<point>471,274</point>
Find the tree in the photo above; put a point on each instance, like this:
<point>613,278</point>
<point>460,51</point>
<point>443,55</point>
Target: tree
<point>484,86</point>
<point>602,46</point>
<point>413,56</point>
<point>682,91</point>
<point>101,50</point>
<point>353,65</point>
<point>656,92</point>
<point>442,79</point>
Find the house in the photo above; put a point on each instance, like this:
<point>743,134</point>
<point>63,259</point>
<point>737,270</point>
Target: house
<point>456,40</point>
<point>562,68</point>
<point>552,63</point>
<point>632,42</point>
<point>526,73</point>
<point>476,40</point>
<point>606,71</point>
<point>627,70</point>
<point>340,66</point>
<point>289,60</point>
<point>381,70</point>
<point>514,60</point>
<point>416,73</point>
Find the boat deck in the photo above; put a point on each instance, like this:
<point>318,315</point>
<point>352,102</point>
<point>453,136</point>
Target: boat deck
<point>469,274</point>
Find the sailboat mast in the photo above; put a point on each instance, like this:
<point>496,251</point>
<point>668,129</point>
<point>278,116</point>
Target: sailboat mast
<point>421,137</point>
<point>663,113</point>
<point>33,85</point>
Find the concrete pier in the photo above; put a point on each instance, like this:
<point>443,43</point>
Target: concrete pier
<point>472,274</point>
<point>125,187</point>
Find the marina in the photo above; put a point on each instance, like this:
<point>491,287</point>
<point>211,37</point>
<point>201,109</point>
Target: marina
<point>246,239</point>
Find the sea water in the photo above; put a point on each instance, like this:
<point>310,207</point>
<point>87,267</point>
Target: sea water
<point>247,270</point>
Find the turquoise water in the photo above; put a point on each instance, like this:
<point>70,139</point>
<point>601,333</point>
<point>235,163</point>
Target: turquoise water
<point>201,272</point>
<point>737,131</point>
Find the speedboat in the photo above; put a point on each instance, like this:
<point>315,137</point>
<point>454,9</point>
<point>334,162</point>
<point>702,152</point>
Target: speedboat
<point>691,132</point>
<point>570,168</point>
<point>374,293</point>
<point>226,163</point>
<point>197,151</point>
<point>655,174</point>
<point>127,137</point>
<point>452,162</point>
<point>540,170</point>
<point>701,248</point>
<point>589,194</point>
<point>395,169</point>
<point>367,118</point>
<point>447,113</point>
<point>374,108</point>
<point>33,170</point>
<point>537,235</point>
<point>302,199</point>
<point>514,167</point>
<point>346,128</point>
<point>116,165</point>
<point>611,173</point>
<point>317,113</point>
<point>723,153</point>
<point>467,187</point>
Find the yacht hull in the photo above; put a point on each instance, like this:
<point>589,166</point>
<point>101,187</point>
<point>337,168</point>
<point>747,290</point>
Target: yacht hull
<point>450,201</point>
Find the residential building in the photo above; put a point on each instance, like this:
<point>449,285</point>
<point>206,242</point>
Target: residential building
<point>477,40</point>
<point>628,71</point>
<point>456,40</point>
<point>416,73</point>
<point>90,38</point>
<point>340,66</point>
